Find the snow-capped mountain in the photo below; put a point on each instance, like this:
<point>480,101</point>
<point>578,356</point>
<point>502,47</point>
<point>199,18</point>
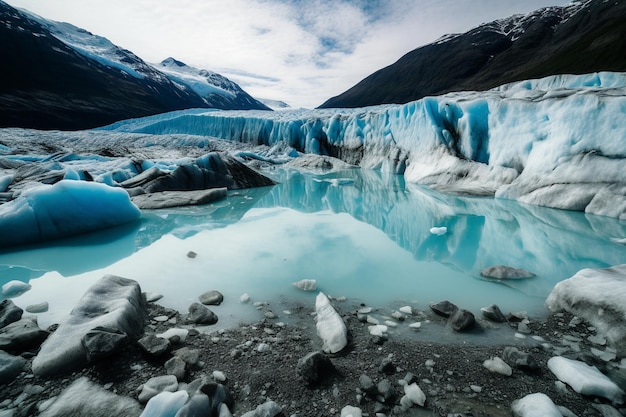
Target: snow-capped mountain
<point>275,104</point>
<point>215,89</point>
<point>582,37</point>
<point>62,77</point>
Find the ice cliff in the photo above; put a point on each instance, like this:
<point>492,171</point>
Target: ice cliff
<point>556,142</point>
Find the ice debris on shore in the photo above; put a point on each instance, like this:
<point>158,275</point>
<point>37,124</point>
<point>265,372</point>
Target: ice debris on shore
<point>306,285</point>
<point>330,326</point>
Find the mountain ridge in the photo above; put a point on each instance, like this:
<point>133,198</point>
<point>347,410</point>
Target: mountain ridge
<point>579,38</point>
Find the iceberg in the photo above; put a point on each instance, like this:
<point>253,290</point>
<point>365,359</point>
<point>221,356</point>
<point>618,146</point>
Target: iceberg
<point>330,326</point>
<point>67,208</point>
<point>555,142</point>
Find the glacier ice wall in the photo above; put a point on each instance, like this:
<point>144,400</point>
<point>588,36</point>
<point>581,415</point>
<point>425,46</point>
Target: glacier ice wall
<point>558,142</point>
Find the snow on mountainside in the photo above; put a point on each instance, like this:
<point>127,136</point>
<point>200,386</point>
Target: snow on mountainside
<point>215,89</point>
<point>582,37</point>
<point>559,147</point>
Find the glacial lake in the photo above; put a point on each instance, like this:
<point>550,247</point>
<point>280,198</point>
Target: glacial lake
<point>361,234</point>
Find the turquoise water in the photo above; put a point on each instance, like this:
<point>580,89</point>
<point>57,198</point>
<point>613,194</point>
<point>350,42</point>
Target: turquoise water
<point>361,234</point>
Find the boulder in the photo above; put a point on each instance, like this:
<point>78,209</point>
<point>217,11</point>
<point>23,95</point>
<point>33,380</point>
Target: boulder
<point>9,313</point>
<point>112,302</point>
<point>165,199</point>
<point>10,367</point>
<point>153,345</point>
<point>443,308</point>
<point>462,320</point>
<point>211,298</point>
<point>315,367</point>
<point>175,366</point>
<point>367,385</point>
<point>102,342</point>
<point>198,406</point>
<point>199,314</point>
<point>505,272</point>
<point>22,335</point>
<point>493,313</point>
<point>219,394</point>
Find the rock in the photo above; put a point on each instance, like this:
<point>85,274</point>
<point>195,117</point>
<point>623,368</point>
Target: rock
<point>315,367</point>
<point>607,410</point>
<point>153,345</point>
<point>102,342</point>
<point>190,356</point>
<point>112,302</point>
<point>519,359</point>
<point>493,313</point>
<point>165,199</point>
<point>267,409</point>
<point>330,326</point>
<point>505,272</point>
<point>199,314</point>
<point>165,404</point>
<point>156,385</point>
<point>443,308</point>
<point>37,308</point>
<point>22,335</point>
<point>84,398</point>
<point>174,335</point>
<point>218,376</point>
<point>415,394</point>
<point>497,365</point>
<point>198,406</point>
<point>462,320</point>
<point>350,411</point>
<point>585,379</point>
<point>9,313</point>
<point>367,385</point>
<point>10,367</point>
<point>15,288</point>
<point>175,366</point>
<point>224,411</point>
<point>387,366</point>
<point>218,394</point>
<point>386,390</point>
<point>306,284</point>
<point>211,298</point>
<point>535,405</point>
<point>596,295</point>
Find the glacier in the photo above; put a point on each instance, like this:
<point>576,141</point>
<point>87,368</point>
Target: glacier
<point>556,142</point>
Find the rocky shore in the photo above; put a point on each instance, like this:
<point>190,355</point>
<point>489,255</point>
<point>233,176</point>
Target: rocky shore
<point>398,361</point>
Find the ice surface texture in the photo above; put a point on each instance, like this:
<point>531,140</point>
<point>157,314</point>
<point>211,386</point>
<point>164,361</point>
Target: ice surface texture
<point>67,208</point>
<point>330,326</point>
<point>112,302</point>
<point>556,142</point>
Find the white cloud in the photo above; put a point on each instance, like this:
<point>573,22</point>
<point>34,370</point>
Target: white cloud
<point>299,51</point>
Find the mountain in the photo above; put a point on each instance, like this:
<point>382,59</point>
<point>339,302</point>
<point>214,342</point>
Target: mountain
<point>275,104</point>
<point>215,89</point>
<point>583,37</point>
<point>58,76</point>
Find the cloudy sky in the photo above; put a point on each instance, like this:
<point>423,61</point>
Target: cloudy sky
<point>299,51</point>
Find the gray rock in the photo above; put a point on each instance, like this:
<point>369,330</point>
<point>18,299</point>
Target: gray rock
<point>21,335</point>
<point>198,406</point>
<point>113,302</point>
<point>153,345</point>
<point>519,359</point>
<point>315,367</point>
<point>505,272</point>
<point>367,385</point>
<point>84,398</point>
<point>443,308</point>
<point>493,313</point>
<point>387,366</point>
<point>102,342</point>
<point>267,409</point>
<point>156,385</point>
<point>165,199</point>
<point>218,394</point>
<point>462,320</point>
<point>386,390</point>
<point>9,313</point>
<point>10,367</point>
<point>37,308</point>
<point>199,314</point>
<point>190,356</point>
<point>175,366</point>
<point>212,298</point>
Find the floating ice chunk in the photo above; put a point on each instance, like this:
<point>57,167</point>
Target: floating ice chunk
<point>406,310</point>
<point>535,405</point>
<point>166,404</point>
<point>66,208</point>
<point>497,365</point>
<point>439,231</point>
<point>330,326</point>
<point>15,288</point>
<point>244,298</point>
<point>619,241</point>
<point>585,379</point>
<point>306,284</point>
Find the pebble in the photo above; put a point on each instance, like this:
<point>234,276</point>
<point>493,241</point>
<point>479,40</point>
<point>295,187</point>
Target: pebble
<point>219,376</point>
<point>263,347</point>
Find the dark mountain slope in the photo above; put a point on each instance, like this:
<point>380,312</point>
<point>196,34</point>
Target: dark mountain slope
<point>576,39</point>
